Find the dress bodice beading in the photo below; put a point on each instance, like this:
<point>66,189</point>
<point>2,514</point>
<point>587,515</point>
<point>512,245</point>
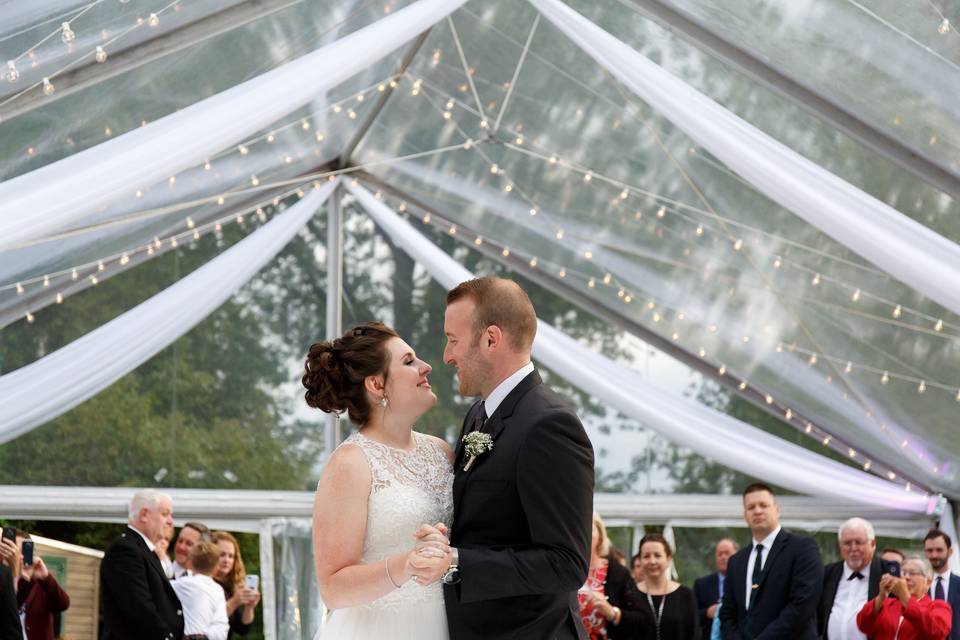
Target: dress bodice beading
<point>408,489</point>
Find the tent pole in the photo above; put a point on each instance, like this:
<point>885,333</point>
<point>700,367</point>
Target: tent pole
<point>334,322</point>
<point>381,101</point>
<point>267,584</point>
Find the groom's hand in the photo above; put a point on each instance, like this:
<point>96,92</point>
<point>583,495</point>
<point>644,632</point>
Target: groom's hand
<point>434,537</point>
<point>428,565</point>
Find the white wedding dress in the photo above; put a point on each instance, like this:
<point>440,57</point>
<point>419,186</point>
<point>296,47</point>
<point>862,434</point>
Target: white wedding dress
<point>409,488</point>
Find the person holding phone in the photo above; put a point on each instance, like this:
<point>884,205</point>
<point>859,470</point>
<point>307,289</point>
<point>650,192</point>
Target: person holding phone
<point>10,564</point>
<point>910,614</point>
<point>39,596</point>
<point>242,596</point>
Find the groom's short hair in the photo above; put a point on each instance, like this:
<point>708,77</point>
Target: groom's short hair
<point>499,302</point>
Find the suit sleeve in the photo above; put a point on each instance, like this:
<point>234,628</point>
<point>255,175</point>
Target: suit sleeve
<point>9,615</point>
<point>554,479</point>
<point>729,626</point>
<point>700,593</point>
<point>126,586</point>
<point>806,581</point>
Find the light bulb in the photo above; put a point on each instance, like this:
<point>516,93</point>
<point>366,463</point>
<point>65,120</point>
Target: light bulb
<point>59,298</point>
<point>19,289</point>
<point>243,150</point>
<point>255,181</point>
<point>738,245</point>
<point>816,280</point>
<point>885,378</point>
<point>722,370</point>
<point>506,254</point>
<point>153,20</point>
<point>591,283</point>
<point>533,263</point>
<point>896,311</point>
<point>788,414</point>
<point>101,55</point>
<point>938,326</point>
<point>12,75</point>
<point>66,33</point>
<point>29,317</point>
<point>47,87</point>
<point>856,295</point>
<point>944,26</point>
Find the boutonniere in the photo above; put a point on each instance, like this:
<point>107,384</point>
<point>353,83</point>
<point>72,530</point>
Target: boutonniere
<point>477,443</point>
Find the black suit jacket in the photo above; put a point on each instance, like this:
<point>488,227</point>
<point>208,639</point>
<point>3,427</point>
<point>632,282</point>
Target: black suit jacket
<point>138,601</point>
<point>786,602</point>
<point>9,613</point>
<point>707,592</point>
<point>522,521</point>
<point>832,574</point>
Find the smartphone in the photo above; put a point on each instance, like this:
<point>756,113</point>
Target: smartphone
<point>890,566</point>
<point>27,550</point>
<point>10,533</point>
<point>252,582</point>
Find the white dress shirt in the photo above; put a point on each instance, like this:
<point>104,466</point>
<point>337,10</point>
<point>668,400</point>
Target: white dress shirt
<point>850,598</point>
<point>500,393</point>
<point>946,585</point>
<point>764,554</point>
<point>179,571</point>
<point>204,606</point>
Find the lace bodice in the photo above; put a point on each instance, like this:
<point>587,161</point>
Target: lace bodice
<point>408,489</point>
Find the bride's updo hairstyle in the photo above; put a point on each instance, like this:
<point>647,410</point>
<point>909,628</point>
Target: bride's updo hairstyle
<point>336,369</point>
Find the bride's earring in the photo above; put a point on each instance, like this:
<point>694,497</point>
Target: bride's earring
<point>383,402</point>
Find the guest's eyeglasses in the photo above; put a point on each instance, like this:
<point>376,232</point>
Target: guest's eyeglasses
<point>912,572</point>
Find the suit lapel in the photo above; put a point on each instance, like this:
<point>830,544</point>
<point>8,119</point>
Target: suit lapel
<point>832,585</point>
<point>152,558</point>
<point>778,544</point>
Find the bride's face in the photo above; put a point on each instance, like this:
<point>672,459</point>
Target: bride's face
<point>408,390</point>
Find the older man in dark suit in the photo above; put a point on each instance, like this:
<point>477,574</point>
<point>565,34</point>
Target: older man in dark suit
<point>849,583</point>
<point>772,586</point>
<point>709,589</point>
<point>138,601</point>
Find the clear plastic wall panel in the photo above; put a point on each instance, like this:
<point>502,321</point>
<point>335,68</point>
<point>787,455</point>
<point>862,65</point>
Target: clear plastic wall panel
<point>582,180</point>
<point>895,66</point>
<point>298,605</point>
<point>217,408</point>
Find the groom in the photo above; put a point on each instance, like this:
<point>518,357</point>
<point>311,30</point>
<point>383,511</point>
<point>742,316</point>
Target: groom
<point>521,530</point>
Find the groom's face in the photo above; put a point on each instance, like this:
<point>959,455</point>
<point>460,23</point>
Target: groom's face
<point>463,348</point>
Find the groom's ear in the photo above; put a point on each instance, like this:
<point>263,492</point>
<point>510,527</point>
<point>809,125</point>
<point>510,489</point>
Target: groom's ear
<point>492,337</point>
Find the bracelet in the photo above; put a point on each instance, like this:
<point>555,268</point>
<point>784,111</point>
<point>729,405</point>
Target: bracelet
<point>617,614</point>
<point>386,565</point>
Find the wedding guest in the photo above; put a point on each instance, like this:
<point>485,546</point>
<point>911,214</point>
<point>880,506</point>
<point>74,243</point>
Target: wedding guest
<point>910,614</point>
<point>162,545</point>
<point>241,600</point>
<point>944,585</point>
<point>849,583</point>
<point>39,596</point>
<point>636,569</point>
<point>190,534</point>
<point>890,554</point>
<point>617,556</point>
<point>671,607</point>
<point>10,564</point>
<point>204,606</point>
<point>610,604</point>
<point>709,589</point>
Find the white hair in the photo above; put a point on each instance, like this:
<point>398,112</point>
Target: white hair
<point>146,499</point>
<point>923,562</point>
<point>858,523</point>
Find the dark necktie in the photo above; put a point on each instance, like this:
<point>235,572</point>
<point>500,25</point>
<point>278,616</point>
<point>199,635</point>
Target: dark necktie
<point>938,591</point>
<point>857,575</point>
<point>480,419</point>
<point>757,572</point>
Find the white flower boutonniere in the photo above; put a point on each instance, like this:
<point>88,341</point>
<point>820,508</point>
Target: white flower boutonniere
<point>477,443</point>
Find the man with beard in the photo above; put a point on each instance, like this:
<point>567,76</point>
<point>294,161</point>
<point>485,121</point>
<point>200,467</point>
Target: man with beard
<point>523,506</point>
<point>937,546</point>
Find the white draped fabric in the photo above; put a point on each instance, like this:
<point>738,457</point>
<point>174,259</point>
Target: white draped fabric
<point>56,196</point>
<point>686,422</point>
<point>907,250</point>
<point>89,364</point>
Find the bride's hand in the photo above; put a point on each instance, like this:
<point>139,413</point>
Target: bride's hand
<point>427,564</point>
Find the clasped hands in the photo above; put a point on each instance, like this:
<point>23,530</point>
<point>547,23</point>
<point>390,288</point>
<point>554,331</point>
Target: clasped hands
<point>430,557</point>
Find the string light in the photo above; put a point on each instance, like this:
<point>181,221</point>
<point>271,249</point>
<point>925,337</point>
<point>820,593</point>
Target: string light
<point>153,20</point>
<point>101,55</point>
<point>48,87</point>
<point>67,36</point>
<point>944,26</point>
<point>11,74</point>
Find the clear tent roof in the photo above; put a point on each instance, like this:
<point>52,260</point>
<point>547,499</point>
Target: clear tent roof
<point>567,169</point>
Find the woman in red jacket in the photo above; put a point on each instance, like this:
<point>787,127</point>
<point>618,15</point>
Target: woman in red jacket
<point>39,597</point>
<point>910,614</point>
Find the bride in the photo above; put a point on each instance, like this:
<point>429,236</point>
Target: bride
<point>377,489</point>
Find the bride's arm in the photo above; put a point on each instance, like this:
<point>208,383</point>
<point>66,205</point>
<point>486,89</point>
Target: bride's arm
<point>339,527</point>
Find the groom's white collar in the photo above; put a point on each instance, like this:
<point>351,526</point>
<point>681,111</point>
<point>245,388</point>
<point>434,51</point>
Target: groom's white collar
<point>499,394</point>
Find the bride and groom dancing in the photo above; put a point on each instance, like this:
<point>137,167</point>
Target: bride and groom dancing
<point>415,540</point>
